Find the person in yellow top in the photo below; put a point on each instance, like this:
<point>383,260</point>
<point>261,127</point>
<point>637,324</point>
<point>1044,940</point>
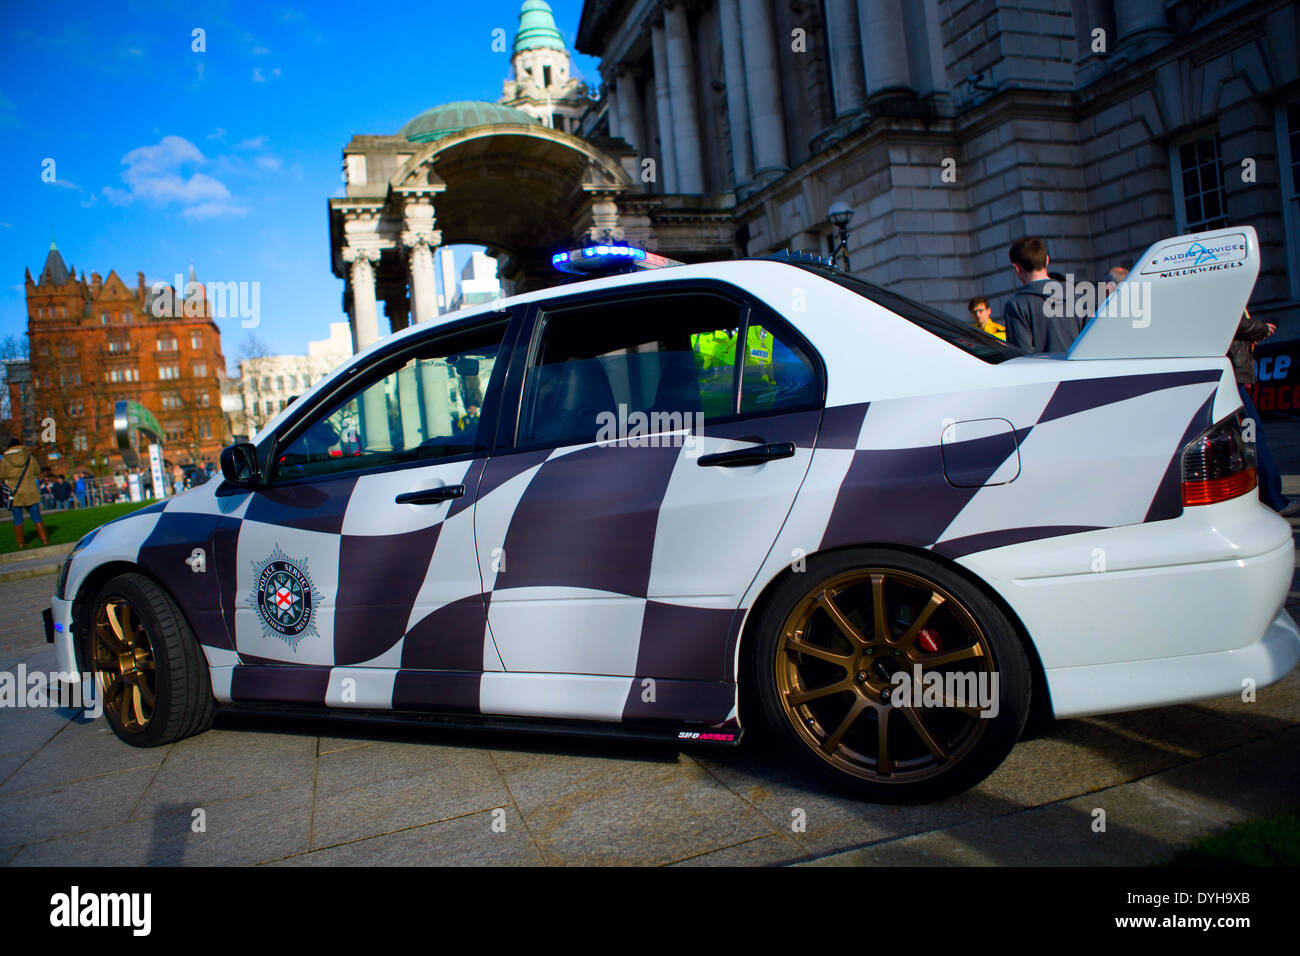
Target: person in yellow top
<point>18,468</point>
<point>983,317</point>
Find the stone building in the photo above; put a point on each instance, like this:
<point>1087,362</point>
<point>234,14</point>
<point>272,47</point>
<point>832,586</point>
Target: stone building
<point>543,85</point>
<point>951,127</point>
<point>95,341</point>
<point>267,383</point>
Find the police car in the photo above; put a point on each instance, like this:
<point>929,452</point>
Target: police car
<point>682,502</point>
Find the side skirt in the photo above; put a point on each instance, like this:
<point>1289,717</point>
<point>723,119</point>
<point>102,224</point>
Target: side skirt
<point>566,728</point>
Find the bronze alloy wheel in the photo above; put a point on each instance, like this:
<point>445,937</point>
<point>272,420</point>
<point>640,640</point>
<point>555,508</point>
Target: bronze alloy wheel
<point>124,664</point>
<point>836,656</point>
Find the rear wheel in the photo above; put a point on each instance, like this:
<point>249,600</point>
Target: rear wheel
<point>890,675</point>
<point>149,671</point>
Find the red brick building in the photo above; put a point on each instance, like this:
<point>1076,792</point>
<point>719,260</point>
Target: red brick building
<point>96,342</point>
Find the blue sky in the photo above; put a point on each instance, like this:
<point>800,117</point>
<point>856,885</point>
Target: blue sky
<point>163,156</point>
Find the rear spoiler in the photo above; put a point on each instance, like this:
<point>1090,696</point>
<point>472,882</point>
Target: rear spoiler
<point>1183,299</point>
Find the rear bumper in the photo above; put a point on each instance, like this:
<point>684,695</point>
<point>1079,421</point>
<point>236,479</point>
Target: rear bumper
<point>1157,613</point>
<point>1132,685</point>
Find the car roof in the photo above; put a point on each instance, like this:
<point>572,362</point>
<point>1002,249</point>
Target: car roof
<point>733,270</point>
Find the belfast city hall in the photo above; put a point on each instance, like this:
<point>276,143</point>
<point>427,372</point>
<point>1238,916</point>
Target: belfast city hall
<point>947,128</point>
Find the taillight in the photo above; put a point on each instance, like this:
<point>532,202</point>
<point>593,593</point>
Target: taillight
<point>1218,464</point>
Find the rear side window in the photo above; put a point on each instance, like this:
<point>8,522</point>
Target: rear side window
<point>952,330</point>
<point>671,357</point>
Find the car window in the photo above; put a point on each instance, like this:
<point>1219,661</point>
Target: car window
<point>423,409</point>
<point>670,357</point>
<point>952,330</point>
<point>777,374</point>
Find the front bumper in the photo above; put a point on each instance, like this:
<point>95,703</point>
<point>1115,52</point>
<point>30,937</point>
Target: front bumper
<point>59,633</point>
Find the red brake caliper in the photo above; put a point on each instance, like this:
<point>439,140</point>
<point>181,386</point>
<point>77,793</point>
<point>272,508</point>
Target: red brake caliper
<point>929,640</point>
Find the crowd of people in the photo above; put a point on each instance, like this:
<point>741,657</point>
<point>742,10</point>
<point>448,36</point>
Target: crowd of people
<point>25,489</point>
<point>1029,325</point>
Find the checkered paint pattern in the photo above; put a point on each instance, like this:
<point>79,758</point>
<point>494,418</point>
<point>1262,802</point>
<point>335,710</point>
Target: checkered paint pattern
<point>610,582</point>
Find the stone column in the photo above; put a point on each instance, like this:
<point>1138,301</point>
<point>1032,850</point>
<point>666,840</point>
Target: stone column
<point>1136,17</point>
<point>611,109</point>
<point>664,108</point>
<point>365,332</point>
<point>599,220</point>
<point>424,292</point>
<point>408,401</point>
<point>846,56</point>
<point>763,87</point>
<point>884,47</point>
<point>629,107</point>
<point>420,238</point>
<point>733,67</point>
<point>681,85</point>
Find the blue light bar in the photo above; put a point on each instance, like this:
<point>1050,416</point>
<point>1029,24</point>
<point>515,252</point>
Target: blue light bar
<point>607,257</point>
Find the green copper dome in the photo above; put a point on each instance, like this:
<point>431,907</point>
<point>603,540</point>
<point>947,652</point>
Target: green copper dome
<point>537,28</point>
<point>453,117</point>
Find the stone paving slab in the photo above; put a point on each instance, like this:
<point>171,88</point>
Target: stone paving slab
<point>775,849</point>
<point>42,813</point>
<point>599,810</point>
<point>465,840</point>
<point>1146,821</point>
<point>81,751</point>
<point>364,791</point>
<point>266,826</point>
<point>218,766</point>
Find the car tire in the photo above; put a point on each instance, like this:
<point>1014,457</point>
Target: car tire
<point>823,676</point>
<point>150,674</point>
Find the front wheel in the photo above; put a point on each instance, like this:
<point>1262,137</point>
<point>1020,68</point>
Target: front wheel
<point>149,671</point>
<point>890,675</point>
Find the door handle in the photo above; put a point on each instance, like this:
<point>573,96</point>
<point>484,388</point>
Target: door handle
<point>753,455</point>
<point>431,496</point>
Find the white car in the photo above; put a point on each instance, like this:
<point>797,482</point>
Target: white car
<point>879,532</point>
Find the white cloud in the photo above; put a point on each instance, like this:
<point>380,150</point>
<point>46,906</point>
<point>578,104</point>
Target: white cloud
<point>213,210</point>
<point>166,173</point>
<point>253,142</point>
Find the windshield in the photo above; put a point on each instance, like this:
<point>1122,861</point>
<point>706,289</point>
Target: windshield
<point>964,335</point>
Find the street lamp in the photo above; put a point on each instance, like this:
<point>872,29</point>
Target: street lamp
<point>840,214</point>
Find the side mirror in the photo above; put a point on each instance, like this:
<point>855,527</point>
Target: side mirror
<point>467,367</point>
<point>239,465</point>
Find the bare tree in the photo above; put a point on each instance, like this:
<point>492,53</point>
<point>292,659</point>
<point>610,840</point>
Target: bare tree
<point>13,347</point>
<point>251,373</point>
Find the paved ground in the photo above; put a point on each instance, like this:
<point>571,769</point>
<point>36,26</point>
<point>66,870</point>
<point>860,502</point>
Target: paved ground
<point>318,793</point>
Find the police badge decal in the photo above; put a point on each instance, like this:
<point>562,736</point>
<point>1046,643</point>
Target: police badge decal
<point>285,598</point>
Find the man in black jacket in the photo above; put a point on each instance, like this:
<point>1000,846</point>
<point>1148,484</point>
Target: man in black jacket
<point>1029,326</point>
<point>1241,351</point>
